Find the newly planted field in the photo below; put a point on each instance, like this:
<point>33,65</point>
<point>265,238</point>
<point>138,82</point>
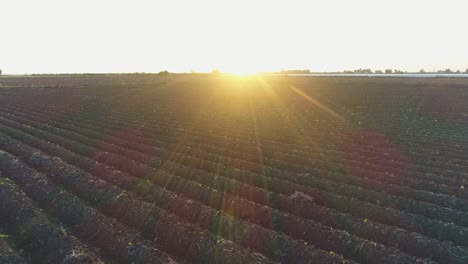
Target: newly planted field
<point>213,169</point>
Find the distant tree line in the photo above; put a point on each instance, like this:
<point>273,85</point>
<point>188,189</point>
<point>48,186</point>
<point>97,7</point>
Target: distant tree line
<point>448,71</point>
<point>369,71</point>
<point>360,71</point>
<point>306,71</point>
<point>395,71</point>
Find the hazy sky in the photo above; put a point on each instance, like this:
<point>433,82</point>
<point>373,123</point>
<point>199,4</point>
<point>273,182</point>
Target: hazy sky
<point>239,36</point>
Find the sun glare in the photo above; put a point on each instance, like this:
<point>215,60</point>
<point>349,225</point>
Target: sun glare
<point>239,69</point>
<point>242,73</point>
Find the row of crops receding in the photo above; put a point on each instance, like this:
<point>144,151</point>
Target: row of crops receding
<point>219,170</point>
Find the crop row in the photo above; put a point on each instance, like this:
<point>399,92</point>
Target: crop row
<point>395,201</point>
<point>8,255</point>
<point>374,183</point>
<point>154,225</point>
<point>33,232</point>
<point>395,237</point>
<point>276,143</point>
<point>277,170</point>
<point>111,100</point>
<point>430,176</point>
<point>83,221</point>
<point>140,117</point>
<point>118,205</point>
<point>371,184</point>
<point>148,122</point>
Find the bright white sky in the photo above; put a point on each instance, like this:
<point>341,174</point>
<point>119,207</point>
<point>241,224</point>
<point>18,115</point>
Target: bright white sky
<point>50,36</point>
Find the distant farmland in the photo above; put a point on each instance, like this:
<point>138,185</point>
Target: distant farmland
<point>219,169</point>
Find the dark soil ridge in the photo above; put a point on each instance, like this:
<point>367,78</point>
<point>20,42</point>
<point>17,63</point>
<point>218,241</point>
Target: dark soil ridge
<point>7,254</point>
<point>405,222</point>
<point>286,157</point>
<point>183,251</point>
<point>151,117</point>
<point>370,184</point>
<point>276,142</point>
<point>396,202</point>
<point>31,230</point>
<point>150,222</point>
<point>300,160</point>
<point>118,244</point>
<point>193,186</point>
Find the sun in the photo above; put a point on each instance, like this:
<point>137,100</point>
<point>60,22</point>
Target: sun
<point>242,72</point>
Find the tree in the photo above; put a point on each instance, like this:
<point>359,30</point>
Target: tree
<point>466,71</point>
<point>306,71</point>
<point>363,71</point>
<point>1,71</point>
<point>378,71</point>
<point>388,71</point>
<point>448,70</point>
<point>422,71</point>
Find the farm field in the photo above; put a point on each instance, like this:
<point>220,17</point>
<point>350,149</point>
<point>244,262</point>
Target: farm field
<point>222,169</point>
